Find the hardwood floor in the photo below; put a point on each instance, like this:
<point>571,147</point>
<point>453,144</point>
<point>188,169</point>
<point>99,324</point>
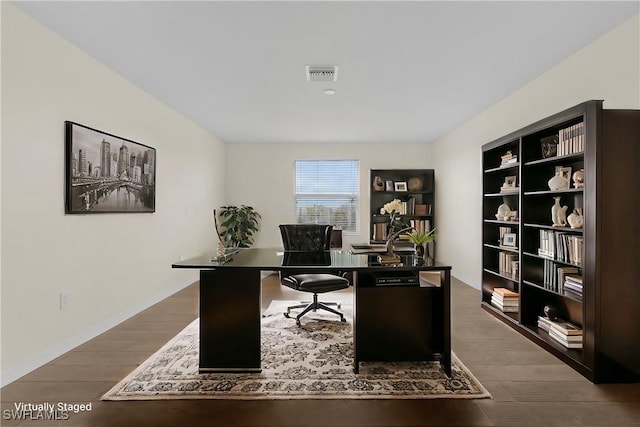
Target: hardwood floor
<point>529,386</point>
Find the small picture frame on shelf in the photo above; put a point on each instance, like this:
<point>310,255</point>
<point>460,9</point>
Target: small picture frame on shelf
<point>400,186</point>
<point>565,172</point>
<point>509,239</point>
<point>388,186</point>
<point>549,146</point>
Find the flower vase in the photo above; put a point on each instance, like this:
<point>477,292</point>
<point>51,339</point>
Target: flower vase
<point>558,213</point>
<point>558,182</point>
<point>576,219</point>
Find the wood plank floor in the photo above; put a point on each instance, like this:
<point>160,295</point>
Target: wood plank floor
<point>529,386</point>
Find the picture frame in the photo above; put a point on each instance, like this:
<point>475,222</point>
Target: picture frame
<point>105,173</point>
<point>565,172</point>
<point>509,239</point>
<point>400,186</point>
<point>549,146</point>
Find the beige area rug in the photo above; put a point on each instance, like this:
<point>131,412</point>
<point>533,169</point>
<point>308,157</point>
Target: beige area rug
<point>314,361</point>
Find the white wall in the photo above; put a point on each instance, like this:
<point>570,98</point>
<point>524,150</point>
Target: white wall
<point>113,265</point>
<point>607,69</point>
<point>262,176</point>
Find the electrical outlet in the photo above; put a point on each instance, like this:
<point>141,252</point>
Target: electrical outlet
<point>64,300</point>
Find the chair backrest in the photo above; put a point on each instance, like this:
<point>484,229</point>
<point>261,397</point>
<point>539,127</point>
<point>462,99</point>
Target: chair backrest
<point>306,237</point>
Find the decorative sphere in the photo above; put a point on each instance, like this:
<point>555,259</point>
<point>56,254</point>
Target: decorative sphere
<point>551,312</point>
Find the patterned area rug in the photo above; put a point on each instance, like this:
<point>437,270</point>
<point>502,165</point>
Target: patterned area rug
<point>314,361</point>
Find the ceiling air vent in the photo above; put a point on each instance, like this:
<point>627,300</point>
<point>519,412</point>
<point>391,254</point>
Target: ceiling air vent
<point>321,73</point>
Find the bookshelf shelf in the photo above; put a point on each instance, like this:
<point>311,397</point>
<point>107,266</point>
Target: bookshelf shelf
<point>555,159</point>
<point>551,227</point>
<point>503,276</point>
<point>572,269</point>
<point>555,192</point>
<point>501,168</point>
<point>501,248</point>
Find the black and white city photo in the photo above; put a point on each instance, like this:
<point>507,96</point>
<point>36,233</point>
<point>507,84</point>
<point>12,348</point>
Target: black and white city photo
<point>106,173</point>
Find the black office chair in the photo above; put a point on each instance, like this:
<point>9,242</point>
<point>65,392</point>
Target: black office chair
<point>307,245</point>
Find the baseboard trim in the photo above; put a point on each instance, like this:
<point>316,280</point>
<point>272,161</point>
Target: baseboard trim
<point>18,371</point>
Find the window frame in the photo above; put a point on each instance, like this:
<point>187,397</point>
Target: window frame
<point>331,196</point>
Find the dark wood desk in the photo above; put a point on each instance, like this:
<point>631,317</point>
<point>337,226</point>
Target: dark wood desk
<point>391,323</point>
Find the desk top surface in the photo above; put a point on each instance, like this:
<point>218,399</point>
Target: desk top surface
<point>276,259</point>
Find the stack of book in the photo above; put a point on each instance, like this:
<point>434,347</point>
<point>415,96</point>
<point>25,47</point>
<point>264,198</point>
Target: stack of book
<point>508,159</point>
<point>573,286</point>
<point>565,333</point>
<point>505,300</point>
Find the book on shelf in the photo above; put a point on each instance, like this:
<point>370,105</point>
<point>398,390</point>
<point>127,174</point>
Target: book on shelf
<point>506,264</point>
<point>573,286</point>
<point>568,341</point>
<point>571,140</point>
<point>572,294</point>
<point>420,225</point>
<point>506,308</point>
<point>577,345</point>
<point>423,209</point>
<point>510,301</point>
<point>564,338</point>
<point>565,328</point>
<point>380,231</point>
<point>504,292</point>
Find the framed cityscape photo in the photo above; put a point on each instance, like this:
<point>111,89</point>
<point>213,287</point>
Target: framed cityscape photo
<point>509,239</point>
<point>400,186</point>
<point>105,173</point>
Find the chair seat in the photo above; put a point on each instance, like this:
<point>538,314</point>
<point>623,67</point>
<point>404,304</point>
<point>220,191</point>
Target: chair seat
<point>316,283</point>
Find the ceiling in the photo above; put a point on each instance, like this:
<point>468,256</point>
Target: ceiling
<point>408,71</point>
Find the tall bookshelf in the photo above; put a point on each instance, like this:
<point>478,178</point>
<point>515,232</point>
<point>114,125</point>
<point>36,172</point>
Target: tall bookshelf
<point>602,295</point>
<point>414,187</point>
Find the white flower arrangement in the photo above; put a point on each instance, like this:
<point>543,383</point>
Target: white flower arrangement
<point>394,206</point>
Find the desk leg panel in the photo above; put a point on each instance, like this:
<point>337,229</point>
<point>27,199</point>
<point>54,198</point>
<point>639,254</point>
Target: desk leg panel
<point>445,284</point>
<point>230,320</point>
<point>398,323</point>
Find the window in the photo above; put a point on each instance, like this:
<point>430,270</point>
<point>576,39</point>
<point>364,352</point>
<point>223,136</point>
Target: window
<point>327,193</point>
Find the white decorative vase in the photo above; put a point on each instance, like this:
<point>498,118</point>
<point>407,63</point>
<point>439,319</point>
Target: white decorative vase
<point>576,220</point>
<point>558,182</point>
<point>558,214</point>
<point>504,212</point>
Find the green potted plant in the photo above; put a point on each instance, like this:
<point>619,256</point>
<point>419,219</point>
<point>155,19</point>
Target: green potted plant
<point>237,225</point>
<point>421,239</point>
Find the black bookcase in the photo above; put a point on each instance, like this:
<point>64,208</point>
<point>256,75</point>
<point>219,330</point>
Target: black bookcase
<point>414,187</point>
<point>601,255</point>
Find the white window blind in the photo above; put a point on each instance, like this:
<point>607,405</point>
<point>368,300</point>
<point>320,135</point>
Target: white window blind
<point>327,193</point>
